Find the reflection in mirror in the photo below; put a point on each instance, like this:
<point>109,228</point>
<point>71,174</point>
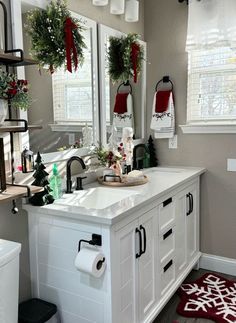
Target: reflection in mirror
<point>108,90</point>
<point>64,103</point>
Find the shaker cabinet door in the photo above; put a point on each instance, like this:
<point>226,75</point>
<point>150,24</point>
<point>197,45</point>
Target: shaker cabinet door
<point>148,263</point>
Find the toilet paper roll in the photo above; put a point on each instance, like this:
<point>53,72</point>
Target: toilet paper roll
<point>90,261</point>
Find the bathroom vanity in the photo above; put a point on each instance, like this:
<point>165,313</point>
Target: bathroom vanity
<point>150,240</point>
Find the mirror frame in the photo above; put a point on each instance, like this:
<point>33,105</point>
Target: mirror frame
<point>103,31</point>
<point>17,39</point>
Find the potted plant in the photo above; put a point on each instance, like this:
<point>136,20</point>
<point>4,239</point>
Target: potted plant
<point>13,91</point>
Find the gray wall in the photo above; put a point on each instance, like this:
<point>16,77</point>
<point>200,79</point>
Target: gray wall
<point>15,227</point>
<point>165,33</point>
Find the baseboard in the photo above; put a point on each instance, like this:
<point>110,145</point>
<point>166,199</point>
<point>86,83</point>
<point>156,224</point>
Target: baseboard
<point>219,264</point>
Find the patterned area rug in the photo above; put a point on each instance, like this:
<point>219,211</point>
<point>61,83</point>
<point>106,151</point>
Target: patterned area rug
<point>211,296</point>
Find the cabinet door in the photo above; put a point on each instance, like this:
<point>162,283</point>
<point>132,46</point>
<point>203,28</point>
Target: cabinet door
<point>192,221</point>
<point>187,226</point>
<point>126,286</point>
<point>148,263</point>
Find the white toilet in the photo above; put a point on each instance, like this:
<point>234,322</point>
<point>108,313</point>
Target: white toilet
<point>9,281</point>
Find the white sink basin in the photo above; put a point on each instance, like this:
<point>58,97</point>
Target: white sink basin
<point>95,198</point>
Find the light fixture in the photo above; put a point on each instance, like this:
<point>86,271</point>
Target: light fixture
<point>117,7</point>
<point>100,2</point>
<point>132,10</point>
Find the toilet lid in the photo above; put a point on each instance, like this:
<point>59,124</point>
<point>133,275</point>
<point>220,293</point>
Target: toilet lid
<point>8,251</point>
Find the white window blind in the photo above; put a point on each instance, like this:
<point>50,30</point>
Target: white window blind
<point>212,86</point>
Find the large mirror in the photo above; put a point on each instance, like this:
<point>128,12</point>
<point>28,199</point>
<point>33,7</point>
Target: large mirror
<point>63,103</point>
<point>108,90</point>
<point>64,107</point>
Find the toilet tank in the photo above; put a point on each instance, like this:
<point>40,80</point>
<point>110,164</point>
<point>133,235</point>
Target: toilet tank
<point>9,281</point>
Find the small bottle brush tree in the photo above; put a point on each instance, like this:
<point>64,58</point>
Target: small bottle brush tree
<point>40,175</point>
<point>152,152</point>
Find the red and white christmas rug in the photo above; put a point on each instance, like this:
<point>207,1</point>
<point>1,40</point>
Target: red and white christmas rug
<point>212,297</point>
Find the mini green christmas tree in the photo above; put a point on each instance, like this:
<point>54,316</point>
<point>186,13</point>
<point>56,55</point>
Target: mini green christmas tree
<point>40,175</point>
<point>152,151</point>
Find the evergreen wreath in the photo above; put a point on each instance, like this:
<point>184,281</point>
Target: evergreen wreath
<point>125,55</point>
<point>55,36</point>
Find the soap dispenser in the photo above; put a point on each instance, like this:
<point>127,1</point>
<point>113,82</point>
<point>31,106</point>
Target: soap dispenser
<point>55,183</point>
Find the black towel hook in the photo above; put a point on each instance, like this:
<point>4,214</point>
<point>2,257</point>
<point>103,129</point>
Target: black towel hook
<point>127,83</point>
<point>165,79</point>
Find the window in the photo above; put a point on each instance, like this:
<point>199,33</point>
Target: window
<point>211,47</point>
<point>73,92</point>
<point>212,86</point>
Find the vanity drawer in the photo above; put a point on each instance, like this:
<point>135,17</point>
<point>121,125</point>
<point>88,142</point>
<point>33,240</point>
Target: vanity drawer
<point>166,213</point>
<point>167,275</point>
<point>166,243</point>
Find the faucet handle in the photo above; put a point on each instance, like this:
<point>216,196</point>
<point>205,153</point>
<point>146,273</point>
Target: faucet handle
<point>79,180</point>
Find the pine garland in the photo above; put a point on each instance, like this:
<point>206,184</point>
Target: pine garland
<point>47,31</point>
<point>120,57</point>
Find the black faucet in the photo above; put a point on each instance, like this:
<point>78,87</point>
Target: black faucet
<point>68,171</point>
<point>135,164</point>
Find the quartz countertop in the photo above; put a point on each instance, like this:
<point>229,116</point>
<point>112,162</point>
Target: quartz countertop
<point>161,181</point>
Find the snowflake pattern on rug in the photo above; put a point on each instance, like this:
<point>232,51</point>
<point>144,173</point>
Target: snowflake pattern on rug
<point>211,296</point>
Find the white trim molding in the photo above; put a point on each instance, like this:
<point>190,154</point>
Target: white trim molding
<point>220,264</point>
<point>208,128</point>
<point>67,127</point>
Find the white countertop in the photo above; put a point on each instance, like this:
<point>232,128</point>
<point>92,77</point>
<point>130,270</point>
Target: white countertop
<point>161,180</point>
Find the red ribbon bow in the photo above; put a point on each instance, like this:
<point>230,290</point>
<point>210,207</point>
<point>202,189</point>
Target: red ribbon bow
<point>71,52</point>
<point>135,49</point>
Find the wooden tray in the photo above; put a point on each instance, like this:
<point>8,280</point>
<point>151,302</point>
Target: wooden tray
<point>122,184</point>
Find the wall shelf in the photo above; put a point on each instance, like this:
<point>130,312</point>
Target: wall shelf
<point>11,60</point>
<point>13,192</point>
<point>19,128</point>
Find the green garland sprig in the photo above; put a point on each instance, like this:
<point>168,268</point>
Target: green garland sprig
<point>120,57</point>
<point>46,28</point>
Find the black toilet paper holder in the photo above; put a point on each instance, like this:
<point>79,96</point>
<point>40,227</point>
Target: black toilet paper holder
<point>95,241</point>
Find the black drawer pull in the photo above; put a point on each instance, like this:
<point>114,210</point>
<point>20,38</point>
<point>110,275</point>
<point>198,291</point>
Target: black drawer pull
<point>167,234</point>
<point>167,266</point>
<point>168,201</point>
<point>144,241</point>
<point>138,254</point>
<point>189,204</point>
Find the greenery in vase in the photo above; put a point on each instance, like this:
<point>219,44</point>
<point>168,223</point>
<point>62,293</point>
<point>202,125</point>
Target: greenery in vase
<point>121,65</point>
<point>14,90</point>
<point>48,35</point>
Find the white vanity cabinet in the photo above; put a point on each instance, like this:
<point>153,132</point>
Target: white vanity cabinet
<point>150,246</point>
<point>154,253</point>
